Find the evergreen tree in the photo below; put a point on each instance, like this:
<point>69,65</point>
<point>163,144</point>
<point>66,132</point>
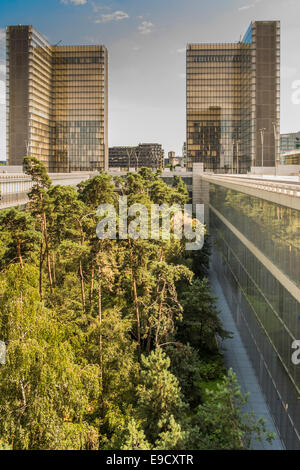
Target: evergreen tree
<point>221,423</point>
<point>19,235</point>
<point>201,323</point>
<point>160,404</point>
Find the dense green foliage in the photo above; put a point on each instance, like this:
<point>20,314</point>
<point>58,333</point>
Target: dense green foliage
<point>111,344</point>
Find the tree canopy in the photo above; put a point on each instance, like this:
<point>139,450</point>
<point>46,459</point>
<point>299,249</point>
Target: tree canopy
<point>110,343</point>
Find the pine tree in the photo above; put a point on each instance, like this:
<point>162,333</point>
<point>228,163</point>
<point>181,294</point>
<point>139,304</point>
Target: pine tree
<point>160,403</point>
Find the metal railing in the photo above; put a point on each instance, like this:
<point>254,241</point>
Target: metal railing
<point>283,187</point>
<point>14,189</point>
<point>13,199</point>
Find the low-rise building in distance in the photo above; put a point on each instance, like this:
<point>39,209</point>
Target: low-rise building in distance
<point>289,142</point>
<point>150,155</point>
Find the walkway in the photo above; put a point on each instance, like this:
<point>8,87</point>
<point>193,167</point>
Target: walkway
<point>236,357</point>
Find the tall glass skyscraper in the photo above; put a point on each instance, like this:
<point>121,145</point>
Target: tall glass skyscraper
<point>232,101</point>
<point>57,102</point>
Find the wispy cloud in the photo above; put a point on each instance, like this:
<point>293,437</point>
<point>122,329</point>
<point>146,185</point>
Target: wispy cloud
<point>118,15</point>
<point>2,68</point>
<point>181,50</point>
<point>97,7</point>
<point>251,5</point>
<point>146,27</point>
<point>75,2</point>
<point>246,7</point>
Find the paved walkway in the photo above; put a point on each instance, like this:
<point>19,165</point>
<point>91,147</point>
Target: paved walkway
<point>236,357</point>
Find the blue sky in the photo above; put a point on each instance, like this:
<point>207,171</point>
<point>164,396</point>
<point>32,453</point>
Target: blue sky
<point>146,40</point>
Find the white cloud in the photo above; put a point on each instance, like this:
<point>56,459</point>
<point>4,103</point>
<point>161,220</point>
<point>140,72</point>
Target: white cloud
<point>97,8</point>
<point>146,27</point>
<point>118,15</point>
<point>136,48</point>
<point>2,34</point>
<point>251,5</point>
<point>246,7</point>
<point>2,68</point>
<point>75,2</point>
<point>181,50</point>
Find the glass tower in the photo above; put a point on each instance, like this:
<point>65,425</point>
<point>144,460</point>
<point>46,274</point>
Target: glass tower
<point>232,101</point>
<point>57,102</point>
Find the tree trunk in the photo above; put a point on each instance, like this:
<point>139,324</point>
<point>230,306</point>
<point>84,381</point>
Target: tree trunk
<point>42,255</point>
<point>82,287</point>
<point>100,323</point>
<point>159,313</point>
<point>54,270</point>
<point>156,293</point>
<point>136,303</point>
<point>19,253</point>
<point>47,252</point>
<point>149,339</point>
<point>92,283</point>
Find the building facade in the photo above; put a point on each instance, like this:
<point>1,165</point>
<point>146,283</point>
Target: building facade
<point>184,151</point>
<point>291,158</point>
<point>289,142</point>
<point>149,155</point>
<point>256,256</point>
<point>56,102</point>
<point>232,101</point>
<point>121,157</point>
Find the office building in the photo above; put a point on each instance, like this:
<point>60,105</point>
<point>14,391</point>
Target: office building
<point>232,101</point>
<point>291,157</point>
<point>255,228</point>
<point>172,158</point>
<point>121,157</point>
<point>56,102</point>
<point>149,155</point>
<point>289,142</point>
<point>184,153</point>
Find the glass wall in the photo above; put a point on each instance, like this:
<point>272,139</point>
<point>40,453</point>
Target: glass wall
<point>39,97</point>
<point>57,102</point>
<point>266,313</point>
<point>272,228</point>
<point>78,132</point>
<point>232,93</point>
<point>277,311</point>
<point>216,103</point>
<point>280,392</point>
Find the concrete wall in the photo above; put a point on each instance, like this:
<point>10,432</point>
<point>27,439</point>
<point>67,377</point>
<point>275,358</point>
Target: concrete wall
<point>17,169</point>
<point>283,170</point>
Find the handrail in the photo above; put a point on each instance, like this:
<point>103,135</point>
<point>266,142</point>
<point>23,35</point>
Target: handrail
<point>289,188</point>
